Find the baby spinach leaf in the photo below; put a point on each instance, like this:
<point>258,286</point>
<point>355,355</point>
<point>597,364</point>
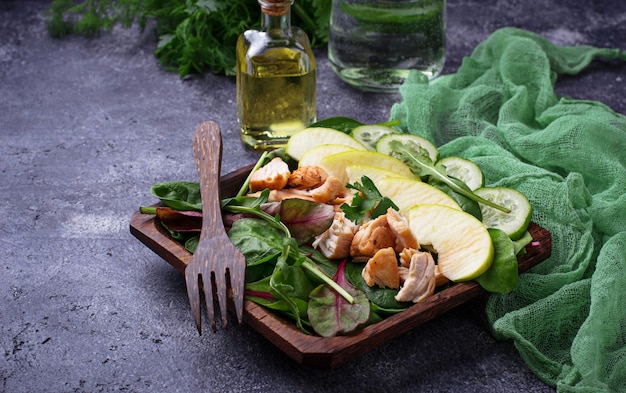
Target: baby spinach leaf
<point>330,314</point>
<point>502,276</point>
<point>294,282</point>
<point>192,243</point>
<point>328,266</point>
<point>259,243</point>
<point>339,123</point>
<point>346,124</point>
<point>179,195</point>
<point>262,285</point>
<point>255,240</point>
<point>382,298</point>
<point>521,243</point>
<point>260,292</point>
<point>286,279</point>
<point>283,308</point>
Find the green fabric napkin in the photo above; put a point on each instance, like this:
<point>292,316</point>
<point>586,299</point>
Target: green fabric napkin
<point>567,317</point>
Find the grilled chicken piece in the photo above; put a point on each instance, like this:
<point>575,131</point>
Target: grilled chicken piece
<point>307,177</point>
<point>400,227</point>
<point>406,255</point>
<point>405,262</point>
<point>372,236</point>
<point>330,191</point>
<point>287,193</point>
<point>273,175</point>
<point>382,269</point>
<point>335,242</point>
<point>420,283</point>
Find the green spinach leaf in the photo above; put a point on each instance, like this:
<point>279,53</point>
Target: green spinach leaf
<point>339,123</point>
<point>382,298</point>
<point>260,244</point>
<point>502,275</point>
<point>179,195</point>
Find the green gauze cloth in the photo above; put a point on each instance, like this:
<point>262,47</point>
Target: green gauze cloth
<point>567,316</point>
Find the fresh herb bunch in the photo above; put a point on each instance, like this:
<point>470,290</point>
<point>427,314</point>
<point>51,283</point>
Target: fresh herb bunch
<point>194,36</point>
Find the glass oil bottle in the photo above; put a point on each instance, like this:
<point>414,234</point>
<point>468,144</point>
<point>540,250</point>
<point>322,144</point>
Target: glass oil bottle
<point>276,79</point>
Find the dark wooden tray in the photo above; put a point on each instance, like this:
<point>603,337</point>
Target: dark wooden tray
<point>323,352</point>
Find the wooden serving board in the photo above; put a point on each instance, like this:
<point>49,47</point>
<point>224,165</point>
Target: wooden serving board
<point>330,352</point>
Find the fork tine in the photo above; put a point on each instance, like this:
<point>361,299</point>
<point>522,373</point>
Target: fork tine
<point>193,293</point>
<point>237,285</point>
<point>222,297</point>
<point>207,284</point>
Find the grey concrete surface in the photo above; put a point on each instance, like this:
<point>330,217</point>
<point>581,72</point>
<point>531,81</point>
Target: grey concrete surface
<point>87,125</point>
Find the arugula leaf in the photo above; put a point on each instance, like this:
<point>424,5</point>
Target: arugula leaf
<point>367,201</point>
<point>421,164</point>
<point>468,205</point>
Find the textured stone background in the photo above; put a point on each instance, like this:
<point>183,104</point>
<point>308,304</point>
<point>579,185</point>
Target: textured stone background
<point>88,125</point>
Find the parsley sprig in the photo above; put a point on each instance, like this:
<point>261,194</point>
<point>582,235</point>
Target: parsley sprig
<point>368,201</point>
<point>194,36</point>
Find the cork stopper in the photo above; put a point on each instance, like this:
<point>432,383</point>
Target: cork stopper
<point>275,7</point>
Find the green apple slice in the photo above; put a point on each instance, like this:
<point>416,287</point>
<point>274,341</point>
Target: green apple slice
<point>356,171</point>
<point>462,243</point>
<point>406,193</point>
<point>315,155</point>
<point>336,164</point>
<point>304,140</point>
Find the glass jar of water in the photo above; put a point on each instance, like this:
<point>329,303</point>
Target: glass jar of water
<point>374,44</point>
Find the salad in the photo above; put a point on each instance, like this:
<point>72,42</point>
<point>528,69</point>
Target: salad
<point>351,223</point>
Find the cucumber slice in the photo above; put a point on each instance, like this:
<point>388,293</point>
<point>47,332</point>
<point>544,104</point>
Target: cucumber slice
<point>464,170</point>
<point>369,134</point>
<point>383,144</point>
<point>514,223</point>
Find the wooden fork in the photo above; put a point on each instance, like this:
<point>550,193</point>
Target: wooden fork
<point>216,264</point>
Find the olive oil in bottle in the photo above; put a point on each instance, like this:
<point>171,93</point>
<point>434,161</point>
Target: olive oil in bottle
<point>276,79</point>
